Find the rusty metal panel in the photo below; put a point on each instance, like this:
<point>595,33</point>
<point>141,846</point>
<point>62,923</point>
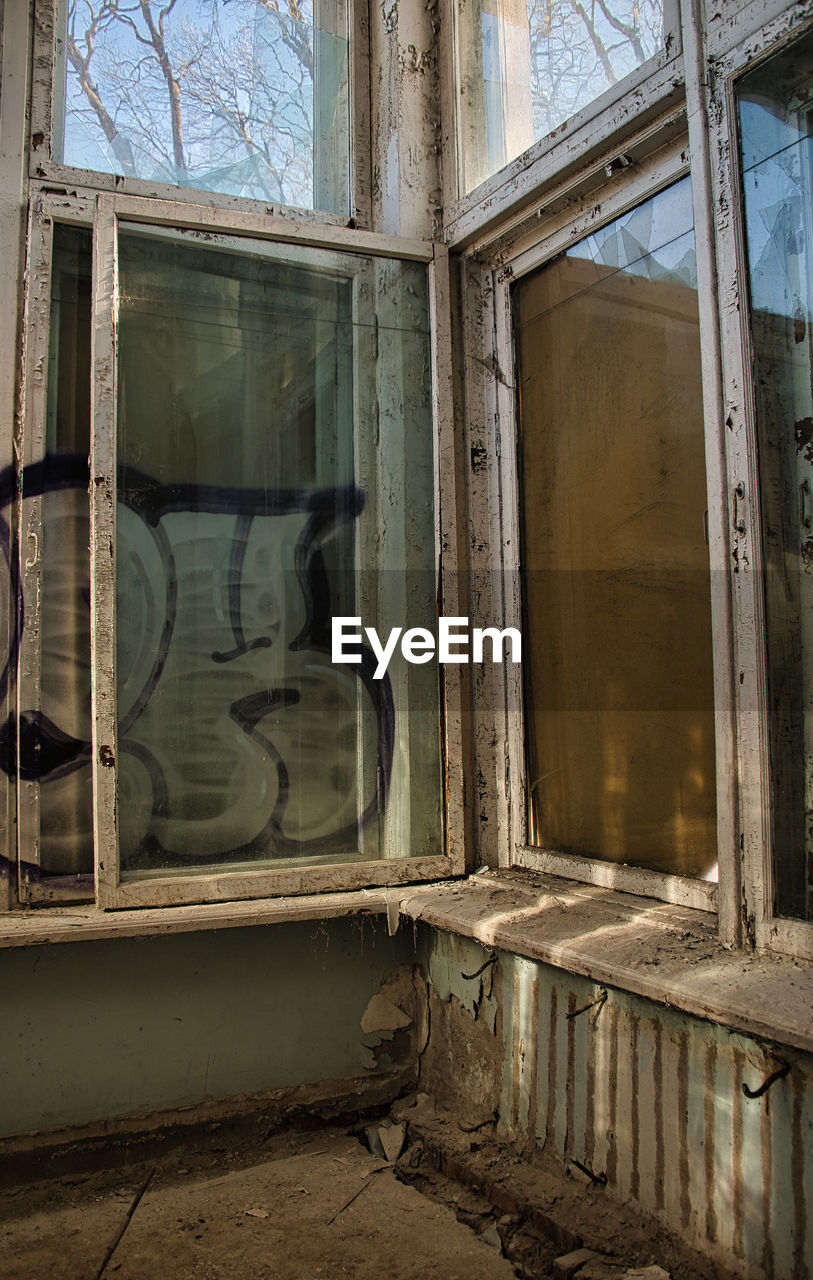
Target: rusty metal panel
<point>652,1101</point>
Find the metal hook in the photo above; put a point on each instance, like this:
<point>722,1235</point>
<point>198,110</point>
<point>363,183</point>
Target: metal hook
<point>492,959</point>
<point>779,1074</point>
<point>598,1002</point>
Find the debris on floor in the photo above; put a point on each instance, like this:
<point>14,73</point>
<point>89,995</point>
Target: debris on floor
<point>410,1194</point>
<point>550,1223</point>
<point>322,1208</point>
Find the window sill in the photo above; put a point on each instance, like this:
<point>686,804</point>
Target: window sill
<point>44,926</point>
<point>660,951</point>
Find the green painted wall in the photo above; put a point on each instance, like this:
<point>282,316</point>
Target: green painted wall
<point>93,1030</point>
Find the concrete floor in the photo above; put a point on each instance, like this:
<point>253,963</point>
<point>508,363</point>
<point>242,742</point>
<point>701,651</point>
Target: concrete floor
<point>318,1205</point>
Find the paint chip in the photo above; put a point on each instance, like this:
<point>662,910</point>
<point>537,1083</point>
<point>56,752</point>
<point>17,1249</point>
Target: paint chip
<point>382,1015</point>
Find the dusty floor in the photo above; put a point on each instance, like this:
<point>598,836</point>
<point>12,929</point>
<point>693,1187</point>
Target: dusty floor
<point>413,1193</point>
<point>319,1205</point>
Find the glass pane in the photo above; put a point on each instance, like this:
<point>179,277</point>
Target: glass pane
<point>243,97</point>
<point>275,469</point>
<point>618,664</point>
<point>54,730</point>
<point>776,127</point>
<point>527,66</point>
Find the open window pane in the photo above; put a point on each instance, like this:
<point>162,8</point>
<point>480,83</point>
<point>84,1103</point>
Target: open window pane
<point>524,67</point>
<point>275,468</point>
<point>776,126</point>
<point>246,98</point>
<point>53,748</point>
<point>618,662</point>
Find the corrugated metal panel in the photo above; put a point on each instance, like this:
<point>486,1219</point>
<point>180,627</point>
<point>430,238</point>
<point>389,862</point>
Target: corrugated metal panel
<point>653,1100</point>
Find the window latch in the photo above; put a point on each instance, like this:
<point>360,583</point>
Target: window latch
<point>738,517</point>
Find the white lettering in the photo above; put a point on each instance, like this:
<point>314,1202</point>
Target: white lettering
<point>383,654</point>
<point>339,639</point>
<point>418,645</point>
<point>448,638</point>
<point>497,638</point>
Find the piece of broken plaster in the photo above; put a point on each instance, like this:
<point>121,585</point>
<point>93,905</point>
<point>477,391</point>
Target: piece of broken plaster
<point>392,1138</point>
<point>382,1015</point>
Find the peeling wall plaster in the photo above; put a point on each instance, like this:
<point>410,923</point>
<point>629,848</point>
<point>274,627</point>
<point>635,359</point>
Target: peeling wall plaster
<point>635,1095</point>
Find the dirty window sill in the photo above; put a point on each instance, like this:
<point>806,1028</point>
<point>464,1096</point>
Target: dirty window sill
<point>40,926</point>
<point>666,953</point>
<point>660,951</point>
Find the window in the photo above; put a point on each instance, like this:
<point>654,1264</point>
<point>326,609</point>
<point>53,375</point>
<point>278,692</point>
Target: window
<point>525,67</point>
<point>776,131</point>
<point>649,359</point>
<point>272,443</point>
<point>248,99</point>
<point>262,459</point>
<point>619,706</point>
<point>231,425</point>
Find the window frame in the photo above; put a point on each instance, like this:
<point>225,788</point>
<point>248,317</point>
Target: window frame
<point>513,213</point>
<point>763,927</point>
<point>519,236</point>
<point>33,890</point>
<point>43,167</point>
<point>663,170</point>
<point>100,214</point>
<point>640,98</point>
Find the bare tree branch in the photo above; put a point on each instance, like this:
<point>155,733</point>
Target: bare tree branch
<point>81,65</point>
<point>630,32</point>
<point>173,87</point>
<point>218,92</point>
<point>597,43</point>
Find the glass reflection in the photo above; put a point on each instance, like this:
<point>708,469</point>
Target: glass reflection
<point>777,158</point>
<point>246,98</point>
<point>527,66</point>
<point>275,468</point>
<point>616,590</point>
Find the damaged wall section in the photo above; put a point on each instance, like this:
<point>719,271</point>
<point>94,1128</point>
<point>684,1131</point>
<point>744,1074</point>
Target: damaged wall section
<point>630,1094</point>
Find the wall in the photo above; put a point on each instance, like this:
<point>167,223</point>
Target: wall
<point>632,1091</point>
<point>637,1093</point>
<point>101,1029</point>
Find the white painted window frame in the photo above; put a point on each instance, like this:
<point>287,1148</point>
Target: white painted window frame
<point>31,889</point>
<point>16,52</point>
<point>642,96</point>
<point>763,927</point>
<point>111,891</point>
<point>661,171</point>
<point>43,167</point>
<point>520,235</point>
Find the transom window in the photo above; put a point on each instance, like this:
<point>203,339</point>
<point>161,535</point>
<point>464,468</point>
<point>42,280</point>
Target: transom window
<point>244,98</point>
<point>525,67</point>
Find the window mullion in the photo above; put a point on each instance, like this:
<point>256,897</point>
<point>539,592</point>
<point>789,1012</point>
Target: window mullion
<point>741,517</point>
<point>449,552</point>
<point>509,709</point>
<point>716,476</point>
<point>102,553</point>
